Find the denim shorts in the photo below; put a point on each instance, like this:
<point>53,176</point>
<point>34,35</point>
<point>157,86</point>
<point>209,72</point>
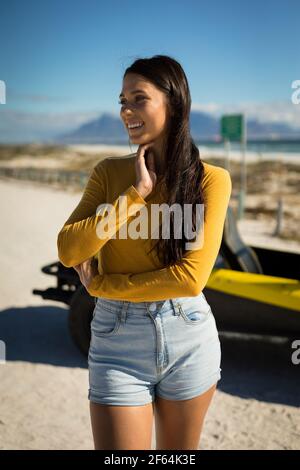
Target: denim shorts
<point>138,350</point>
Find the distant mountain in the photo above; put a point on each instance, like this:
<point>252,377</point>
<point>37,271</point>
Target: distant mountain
<point>109,129</point>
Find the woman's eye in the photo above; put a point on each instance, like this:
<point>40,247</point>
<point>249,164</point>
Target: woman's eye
<point>123,102</point>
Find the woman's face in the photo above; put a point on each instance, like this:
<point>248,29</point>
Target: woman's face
<point>147,106</point>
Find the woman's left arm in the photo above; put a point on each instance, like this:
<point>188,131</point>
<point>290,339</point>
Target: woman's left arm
<point>181,279</point>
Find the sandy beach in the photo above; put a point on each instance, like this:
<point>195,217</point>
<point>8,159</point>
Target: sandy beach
<point>44,381</point>
<point>235,155</point>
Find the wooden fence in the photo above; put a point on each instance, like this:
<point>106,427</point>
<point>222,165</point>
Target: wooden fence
<point>45,175</point>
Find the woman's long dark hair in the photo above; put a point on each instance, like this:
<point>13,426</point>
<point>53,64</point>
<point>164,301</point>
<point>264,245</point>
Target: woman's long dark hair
<point>183,168</point>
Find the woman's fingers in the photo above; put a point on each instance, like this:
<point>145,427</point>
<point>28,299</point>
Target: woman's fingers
<point>87,270</point>
<point>142,149</point>
<point>77,268</point>
<point>141,153</point>
<point>145,170</point>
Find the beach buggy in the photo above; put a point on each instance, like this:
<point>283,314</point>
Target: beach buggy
<point>250,290</point>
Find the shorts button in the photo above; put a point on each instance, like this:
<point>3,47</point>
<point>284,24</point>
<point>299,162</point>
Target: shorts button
<point>152,307</point>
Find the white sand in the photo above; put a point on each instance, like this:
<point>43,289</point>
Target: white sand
<point>44,383</point>
<point>235,155</point>
<point>258,233</point>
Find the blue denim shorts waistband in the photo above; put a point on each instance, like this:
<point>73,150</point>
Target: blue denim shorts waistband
<point>114,304</point>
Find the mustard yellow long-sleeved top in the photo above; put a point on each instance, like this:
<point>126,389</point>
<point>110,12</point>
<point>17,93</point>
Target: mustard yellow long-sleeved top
<point>126,271</point>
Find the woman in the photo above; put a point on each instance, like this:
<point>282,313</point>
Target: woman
<point>154,345</point>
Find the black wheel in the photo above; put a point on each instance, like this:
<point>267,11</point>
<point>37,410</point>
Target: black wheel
<point>80,316</point>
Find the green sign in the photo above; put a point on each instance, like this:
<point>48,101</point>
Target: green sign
<point>232,127</point>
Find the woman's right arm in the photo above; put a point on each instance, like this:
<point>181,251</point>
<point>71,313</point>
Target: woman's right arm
<point>85,231</point>
<point>184,279</point>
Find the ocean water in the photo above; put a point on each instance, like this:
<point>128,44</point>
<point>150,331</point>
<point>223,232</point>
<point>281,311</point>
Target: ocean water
<point>281,146</point>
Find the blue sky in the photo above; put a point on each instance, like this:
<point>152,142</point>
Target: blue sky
<point>63,61</point>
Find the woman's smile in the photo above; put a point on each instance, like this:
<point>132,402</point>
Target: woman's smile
<point>136,129</point>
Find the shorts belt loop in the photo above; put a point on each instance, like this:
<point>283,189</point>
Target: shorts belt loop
<point>176,306</point>
<point>123,313</point>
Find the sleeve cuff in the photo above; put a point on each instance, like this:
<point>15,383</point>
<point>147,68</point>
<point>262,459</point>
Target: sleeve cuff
<point>134,195</point>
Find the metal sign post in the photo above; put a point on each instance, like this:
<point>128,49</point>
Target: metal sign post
<point>243,172</point>
<point>227,154</point>
<point>233,128</point>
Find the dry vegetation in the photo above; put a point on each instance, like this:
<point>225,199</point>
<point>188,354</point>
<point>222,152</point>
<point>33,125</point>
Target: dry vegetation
<point>267,181</point>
